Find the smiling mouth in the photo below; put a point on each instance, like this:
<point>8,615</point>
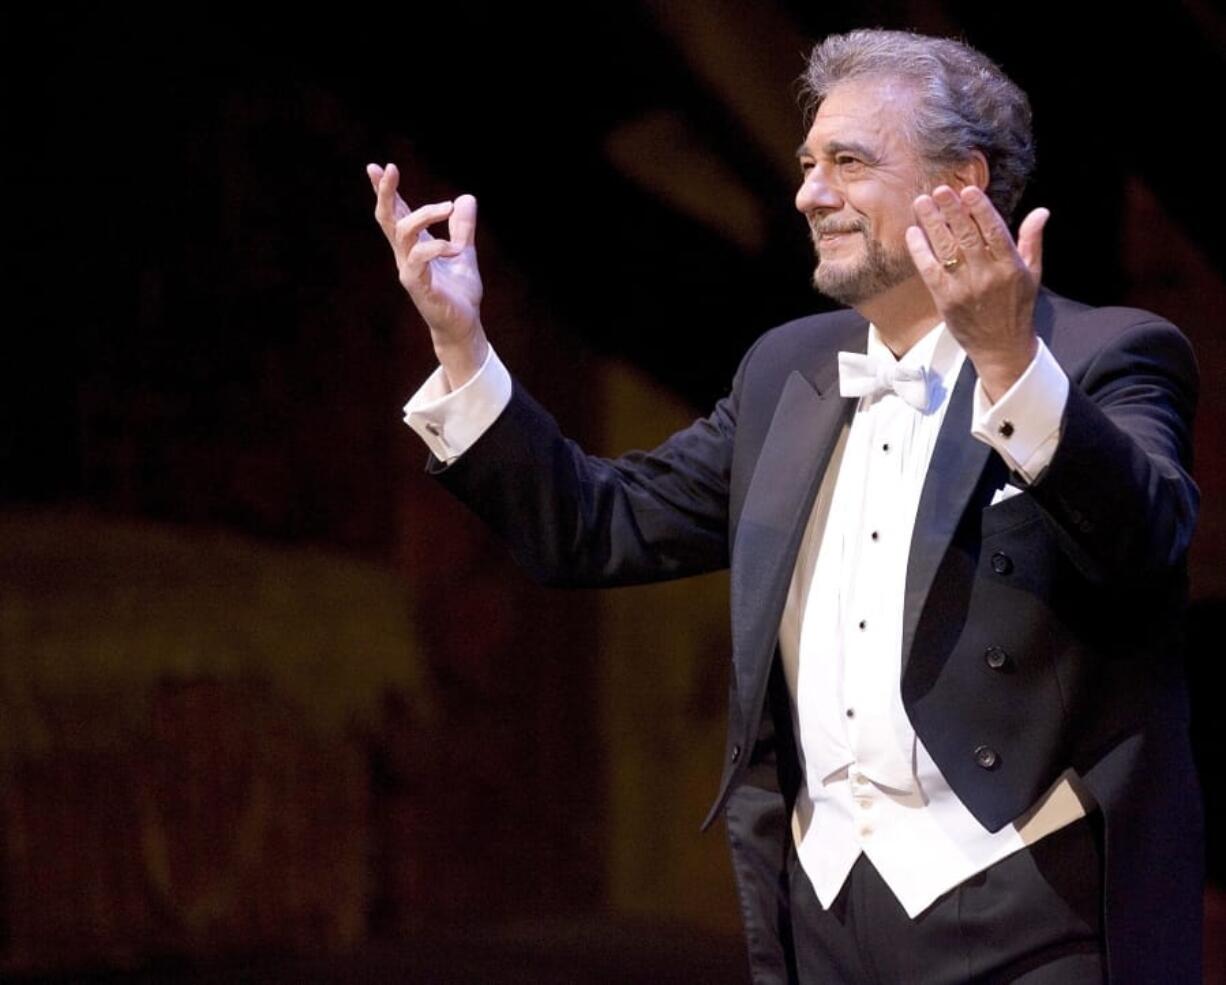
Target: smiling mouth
<point>820,230</point>
<point>832,237</point>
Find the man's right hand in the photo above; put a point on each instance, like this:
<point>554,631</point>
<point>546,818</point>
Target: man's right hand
<point>440,275</point>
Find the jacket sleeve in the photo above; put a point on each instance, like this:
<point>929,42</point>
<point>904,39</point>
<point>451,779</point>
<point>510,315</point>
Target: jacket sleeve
<point>1118,487</point>
<point>578,520</point>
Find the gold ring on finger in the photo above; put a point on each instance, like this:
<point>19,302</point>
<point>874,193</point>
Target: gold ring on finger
<point>951,264</point>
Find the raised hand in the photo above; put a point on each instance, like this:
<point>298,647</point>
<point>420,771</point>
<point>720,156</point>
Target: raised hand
<point>440,275</point>
<point>983,284</point>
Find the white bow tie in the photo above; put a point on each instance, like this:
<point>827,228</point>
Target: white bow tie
<point>861,376</point>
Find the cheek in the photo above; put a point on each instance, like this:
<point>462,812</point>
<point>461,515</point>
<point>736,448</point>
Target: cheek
<point>867,203</point>
<point>893,217</point>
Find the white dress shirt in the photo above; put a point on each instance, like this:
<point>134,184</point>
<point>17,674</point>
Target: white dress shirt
<point>868,783</point>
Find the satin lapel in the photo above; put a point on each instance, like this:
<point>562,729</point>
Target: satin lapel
<point>958,460</point>
<point>789,470</point>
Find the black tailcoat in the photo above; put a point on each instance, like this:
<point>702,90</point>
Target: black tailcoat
<point>1080,579</point>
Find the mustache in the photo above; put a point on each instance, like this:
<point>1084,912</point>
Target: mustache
<point>833,227</point>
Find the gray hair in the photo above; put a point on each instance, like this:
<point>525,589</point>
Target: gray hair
<point>966,103</point>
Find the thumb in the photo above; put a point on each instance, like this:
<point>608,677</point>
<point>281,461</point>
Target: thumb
<point>462,226</point>
<point>1030,240</point>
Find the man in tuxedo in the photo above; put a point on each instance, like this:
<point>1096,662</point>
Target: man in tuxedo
<point>956,515</point>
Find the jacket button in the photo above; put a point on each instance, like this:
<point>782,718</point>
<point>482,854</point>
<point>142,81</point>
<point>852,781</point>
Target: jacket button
<point>1002,564</point>
<point>986,757</point>
<point>736,752</point>
<point>995,657</point>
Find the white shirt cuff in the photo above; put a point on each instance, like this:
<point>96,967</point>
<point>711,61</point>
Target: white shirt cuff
<point>1024,424</point>
<point>451,421</point>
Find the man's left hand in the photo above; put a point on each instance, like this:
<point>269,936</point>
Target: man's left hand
<point>983,284</point>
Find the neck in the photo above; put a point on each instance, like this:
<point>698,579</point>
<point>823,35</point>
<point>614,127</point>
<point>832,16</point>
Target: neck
<point>903,315</point>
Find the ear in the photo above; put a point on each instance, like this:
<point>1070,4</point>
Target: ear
<point>972,171</point>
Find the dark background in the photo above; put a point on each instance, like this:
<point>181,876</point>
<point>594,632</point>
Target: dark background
<point>206,356</point>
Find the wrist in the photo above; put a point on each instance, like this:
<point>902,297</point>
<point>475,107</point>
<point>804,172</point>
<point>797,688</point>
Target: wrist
<point>463,358</point>
<point>999,371</point>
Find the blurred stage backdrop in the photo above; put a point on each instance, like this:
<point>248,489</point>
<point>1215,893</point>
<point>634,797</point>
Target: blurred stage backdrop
<point>272,706</point>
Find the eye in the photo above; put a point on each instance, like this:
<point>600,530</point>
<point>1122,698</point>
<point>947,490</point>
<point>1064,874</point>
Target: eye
<point>848,163</point>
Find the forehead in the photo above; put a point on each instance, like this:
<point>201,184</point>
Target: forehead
<point>863,111</point>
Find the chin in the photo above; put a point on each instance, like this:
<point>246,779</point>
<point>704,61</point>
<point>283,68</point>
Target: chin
<point>856,280</point>
<point>844,286</point>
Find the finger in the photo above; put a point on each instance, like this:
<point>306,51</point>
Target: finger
<point>425,251</point>
<point>385,196</point>
<point>399,208</point>
<point>926,261</point>
<point>413,227</point>
<point>462,227</point>
<point>933,226</point>
<point>389,206</point>
<point>991,225</point>
<point>415,272</point>
<point>959,221</point>
<point>1030,240</point>
<point>374,173</point>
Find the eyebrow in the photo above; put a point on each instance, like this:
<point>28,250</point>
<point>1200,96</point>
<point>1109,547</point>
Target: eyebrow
<point>834,147</point>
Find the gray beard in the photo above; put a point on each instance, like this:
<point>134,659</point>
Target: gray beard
<point>873,274</point>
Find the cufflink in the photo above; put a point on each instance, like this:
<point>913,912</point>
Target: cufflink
<point>434,429</point>
<point>1005,430</point>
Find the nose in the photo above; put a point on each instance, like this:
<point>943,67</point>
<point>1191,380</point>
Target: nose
<point>817,193</point>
